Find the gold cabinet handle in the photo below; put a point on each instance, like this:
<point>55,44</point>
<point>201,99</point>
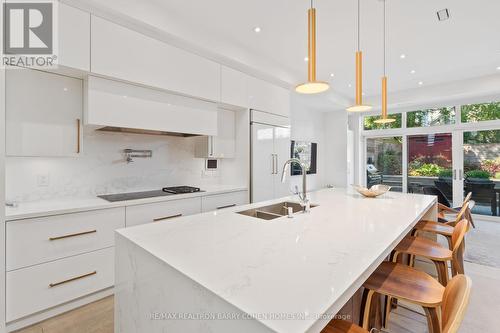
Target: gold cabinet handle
<point>78,121</point>
<point>166,217</point>
<point>73,235</point>
<point>55,284</point>
<point>222,207</point>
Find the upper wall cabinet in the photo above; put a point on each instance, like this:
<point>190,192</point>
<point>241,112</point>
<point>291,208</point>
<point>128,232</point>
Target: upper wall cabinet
<point>234,87</point>
<point>267,97</point>
<point>74,38</point>
<point>125,54</point>
<point>121,105</point>
<point>43,113</point>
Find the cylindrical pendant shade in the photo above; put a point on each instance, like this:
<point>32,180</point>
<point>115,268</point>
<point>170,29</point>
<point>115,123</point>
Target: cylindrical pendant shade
<point>384,119</point>
<point>359,106</point>
<point>311,86</point>
<point>311,44</point>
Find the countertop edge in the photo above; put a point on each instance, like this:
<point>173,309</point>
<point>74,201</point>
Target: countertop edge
<point>103,204</point>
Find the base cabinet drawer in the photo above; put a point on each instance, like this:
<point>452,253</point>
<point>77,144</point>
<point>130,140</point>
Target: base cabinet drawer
<point>38,240</point>
<point>162,211</point>
<point>40,287</point>
<point>221,201</point>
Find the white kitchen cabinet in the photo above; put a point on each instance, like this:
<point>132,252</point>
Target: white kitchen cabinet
<point>223,201</point>
<point>74,38</point>
<point>122,53</point>
<point>162,211</point>
<point>43,113</point>
<point>56,237</point>
<point>41,287</point>
<point>221,145</point>
<point>116,104</point>
<point>267,97</point>
<point>234,87</point>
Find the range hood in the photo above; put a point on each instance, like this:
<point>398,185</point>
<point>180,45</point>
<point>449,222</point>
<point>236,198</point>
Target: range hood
<point>121,107</point>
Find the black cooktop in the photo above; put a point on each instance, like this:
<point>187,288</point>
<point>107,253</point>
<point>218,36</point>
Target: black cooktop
<point>166,191</point>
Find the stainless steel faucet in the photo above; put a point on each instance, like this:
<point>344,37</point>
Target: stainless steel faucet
<point>302,196</point>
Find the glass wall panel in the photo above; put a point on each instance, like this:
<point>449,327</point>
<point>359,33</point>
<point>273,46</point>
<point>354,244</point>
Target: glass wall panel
<point>431,117</point>
<point>384,162</point>
<point>482,170</point>
<point>430,164</point>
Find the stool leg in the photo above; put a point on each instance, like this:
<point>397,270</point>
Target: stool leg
<point>387,312</point>
<point>442,271</point>
<point>366,306</point>
<point>433,320</point>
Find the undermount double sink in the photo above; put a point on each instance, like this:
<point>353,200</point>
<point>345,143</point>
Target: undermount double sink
<point>274,211</point>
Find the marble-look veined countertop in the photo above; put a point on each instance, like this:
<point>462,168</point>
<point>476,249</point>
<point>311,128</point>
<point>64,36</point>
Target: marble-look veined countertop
<point>309,265</point>
<point>79,204</point>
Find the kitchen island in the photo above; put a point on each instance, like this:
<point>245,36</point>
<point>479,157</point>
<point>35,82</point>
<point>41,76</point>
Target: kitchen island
<point>227,272</point>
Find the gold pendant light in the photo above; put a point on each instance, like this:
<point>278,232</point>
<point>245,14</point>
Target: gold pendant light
<point>384,119</point>
<point>359,106</point>
<point>311,86</point>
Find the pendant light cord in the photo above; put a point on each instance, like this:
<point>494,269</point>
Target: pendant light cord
<point>384,37</point>
<point>359,20</point>
<point>311,3</point>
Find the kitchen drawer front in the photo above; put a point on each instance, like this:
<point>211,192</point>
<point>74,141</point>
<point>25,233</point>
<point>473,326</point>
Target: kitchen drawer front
<point>162,211</point>
<point>221,201</point>
<point>38,240</point>
<point>40,287</point>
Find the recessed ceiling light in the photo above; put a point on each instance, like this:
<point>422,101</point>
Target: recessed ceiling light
<point>306,59</point>
<point>498,68</point>
<point>402,56</point>
<point>413,71</point>
<point>65,89</point>
<point>420,83</point>
<point>443,14</point>
<point>257,29</point>
<point>332,75</point>
<point>349,85</point>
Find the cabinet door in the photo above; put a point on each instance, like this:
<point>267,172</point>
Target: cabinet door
<point>74,37</point>
<point>268,97</point>
<point>234,87</point>
<point>263,162</point>
<point>223,201</point>
<point>282,151</point>
<point>43,113</point>
<point>224,142</point>
<point>161,211</point>
<point>125,54</point>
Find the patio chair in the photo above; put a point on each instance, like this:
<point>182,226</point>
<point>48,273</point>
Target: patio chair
<point>483,192</point>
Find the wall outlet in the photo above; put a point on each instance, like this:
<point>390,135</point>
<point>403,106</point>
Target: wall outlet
<point>42,180</point>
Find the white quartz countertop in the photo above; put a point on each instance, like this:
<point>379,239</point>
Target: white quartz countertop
<point>308,265</point>
<point>74,205</point>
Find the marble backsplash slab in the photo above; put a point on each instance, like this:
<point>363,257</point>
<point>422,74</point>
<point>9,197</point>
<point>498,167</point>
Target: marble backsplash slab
<point>101,168</point>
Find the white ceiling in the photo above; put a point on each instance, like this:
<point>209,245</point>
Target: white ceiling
<point>465,46</point>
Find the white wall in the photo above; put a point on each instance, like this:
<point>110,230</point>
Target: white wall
<point>2,199</point>
<point>329,130</point>
<point>336,147</point>
<point>102,168</point>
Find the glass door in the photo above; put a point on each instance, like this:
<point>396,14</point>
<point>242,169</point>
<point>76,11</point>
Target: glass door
<point>384,160</point>
<point>430,164</point>
<point>481,170</point>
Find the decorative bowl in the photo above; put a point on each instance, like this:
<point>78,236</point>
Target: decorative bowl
<point>373,192</point>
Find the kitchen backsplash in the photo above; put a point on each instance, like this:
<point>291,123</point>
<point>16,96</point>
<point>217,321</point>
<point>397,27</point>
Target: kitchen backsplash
<point>102,168</point>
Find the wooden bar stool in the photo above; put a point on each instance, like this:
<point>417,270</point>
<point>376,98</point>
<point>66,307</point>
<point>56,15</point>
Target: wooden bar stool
<point>406,283</point>
<point>440,256</point>
<point>454,301</point>
<point>443,229</point>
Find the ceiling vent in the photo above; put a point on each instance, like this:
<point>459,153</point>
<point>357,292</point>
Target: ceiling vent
<point>443,14</point>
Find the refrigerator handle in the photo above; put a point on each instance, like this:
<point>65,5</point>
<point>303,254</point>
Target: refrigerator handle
<point>272,164</point>
<point>276,163</point>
